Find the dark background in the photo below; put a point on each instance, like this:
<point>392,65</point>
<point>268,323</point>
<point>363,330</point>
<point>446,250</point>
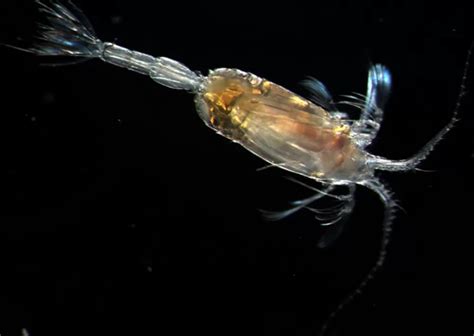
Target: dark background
<point>120,212</point>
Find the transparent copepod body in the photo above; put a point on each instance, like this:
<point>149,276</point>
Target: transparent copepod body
<point>279,126</point>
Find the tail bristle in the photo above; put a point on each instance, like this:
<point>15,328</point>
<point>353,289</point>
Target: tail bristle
<point>66,32</point>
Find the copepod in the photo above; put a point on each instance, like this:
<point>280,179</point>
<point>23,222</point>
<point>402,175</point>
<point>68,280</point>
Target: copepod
<point>308,137</point>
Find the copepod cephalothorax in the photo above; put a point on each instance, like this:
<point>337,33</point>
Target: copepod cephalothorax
<point>279,126</point>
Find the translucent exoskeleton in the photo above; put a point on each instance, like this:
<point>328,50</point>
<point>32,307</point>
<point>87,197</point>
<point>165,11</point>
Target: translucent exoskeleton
<point>308,137</point>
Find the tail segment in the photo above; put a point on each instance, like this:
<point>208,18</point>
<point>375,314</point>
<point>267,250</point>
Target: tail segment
<point>66,32</point>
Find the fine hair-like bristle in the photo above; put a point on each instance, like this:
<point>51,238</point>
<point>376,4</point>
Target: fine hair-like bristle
<point>66,32</point>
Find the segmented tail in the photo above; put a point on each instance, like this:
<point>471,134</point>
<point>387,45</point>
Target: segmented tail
<point>66,32</point>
